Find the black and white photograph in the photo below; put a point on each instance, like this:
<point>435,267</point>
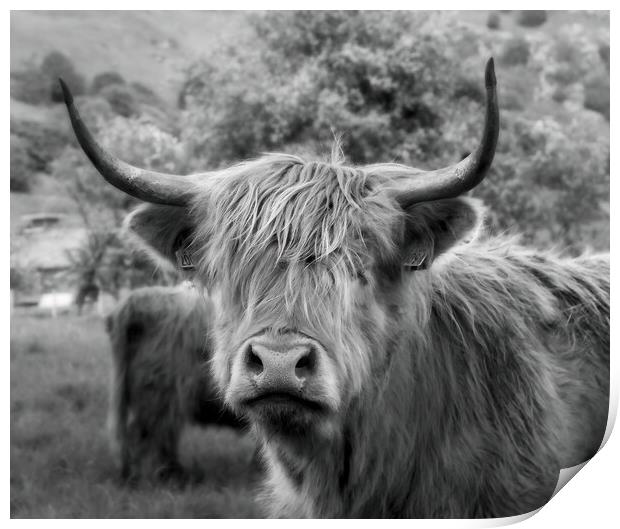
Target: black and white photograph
<point>307,264</point>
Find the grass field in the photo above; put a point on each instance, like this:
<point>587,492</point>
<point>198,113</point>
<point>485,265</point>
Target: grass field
<point>61,465</point>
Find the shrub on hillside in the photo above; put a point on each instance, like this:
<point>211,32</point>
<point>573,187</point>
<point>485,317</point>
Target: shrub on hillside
<point>516,51</point>
<point>42,143</point>
<point>30,86</point>
<point>311,72</point>
<point>104,79</point>
<point>145,94</point>
<point>468,88</point>
<point>95,110</point>
<point>493,21</point>
<point>597,95</point>
<point>559,95</point>
<point>603,52</point>
<point>22,170</point>
<point>57,64</point>
<point>531,19</point>
<point>121,99</point>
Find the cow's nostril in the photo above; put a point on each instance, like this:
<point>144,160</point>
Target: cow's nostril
<point>305,365</point>
<point>253,361</point>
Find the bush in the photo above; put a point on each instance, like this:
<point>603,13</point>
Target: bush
<point>147,96</point>
<point>18,280</point>
<point>55,65</point>
<point>603,53</point>
<point>597,95</point>
<point>95,110</point>
<point>310,72</point>
<point>559,95</point>
<point>493,21</point>
<point>516,51</point>
<point>22,170</point>
<point>531,19</point>
<point>121,99</point>
<point>468,88</point>
<point>104,79</point>
<point>42,143</point>
<point>30,86</point>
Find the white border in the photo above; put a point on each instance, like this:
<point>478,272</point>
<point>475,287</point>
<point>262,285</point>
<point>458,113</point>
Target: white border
<point>587,500</point>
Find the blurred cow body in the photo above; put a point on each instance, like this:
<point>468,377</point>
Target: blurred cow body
<point>161,377</point>
<point>393,361</point>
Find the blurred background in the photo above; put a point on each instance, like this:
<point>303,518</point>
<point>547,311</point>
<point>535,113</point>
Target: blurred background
<point>189,91</point>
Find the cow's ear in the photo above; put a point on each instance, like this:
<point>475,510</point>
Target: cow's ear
<point>164,233</point>
<point>432,228</point>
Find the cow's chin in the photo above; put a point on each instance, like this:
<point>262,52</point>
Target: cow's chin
<point>289,416</point>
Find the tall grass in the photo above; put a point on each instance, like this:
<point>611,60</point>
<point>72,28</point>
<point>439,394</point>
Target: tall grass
<point>60,462</point>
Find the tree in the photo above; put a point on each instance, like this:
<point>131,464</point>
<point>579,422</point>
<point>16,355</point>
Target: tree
<point>382,77</point>
<point>57,64</point>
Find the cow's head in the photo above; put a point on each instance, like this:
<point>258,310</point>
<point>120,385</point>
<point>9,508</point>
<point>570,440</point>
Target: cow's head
<point>308,265</point>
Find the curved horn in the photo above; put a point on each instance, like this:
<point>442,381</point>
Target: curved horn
<point>150,186</point>
<point>456,179</point>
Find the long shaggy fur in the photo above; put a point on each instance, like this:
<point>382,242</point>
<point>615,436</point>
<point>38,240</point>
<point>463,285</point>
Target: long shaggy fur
<point>465,386</point>
<point>161,378</point>
<point>503,383</point>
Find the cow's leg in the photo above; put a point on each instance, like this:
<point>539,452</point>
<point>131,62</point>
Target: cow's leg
<point>169,466</point>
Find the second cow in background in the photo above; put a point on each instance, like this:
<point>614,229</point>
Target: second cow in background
<point>161,378</point>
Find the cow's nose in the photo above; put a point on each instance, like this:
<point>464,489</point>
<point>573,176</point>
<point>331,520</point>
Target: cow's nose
<point>281,366</point>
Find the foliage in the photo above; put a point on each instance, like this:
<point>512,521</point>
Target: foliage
<point>603,51</point>
<point>597,95</point>
<point>531,18</point>
<point>57,64</point>
<point>516,51</point>
<point>105,79</point>
<point>17,279</point>
<point>493,21</point>
<point>145,94</point>
<point>565,164</point>
<point>366,73</point>
<point>121,99</point>
<point>22,167</point>
<point>40,143</point>
<point>30,85</point>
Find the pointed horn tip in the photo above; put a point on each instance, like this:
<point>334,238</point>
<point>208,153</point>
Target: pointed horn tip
<point>66,93</point>
<point>489,74</point>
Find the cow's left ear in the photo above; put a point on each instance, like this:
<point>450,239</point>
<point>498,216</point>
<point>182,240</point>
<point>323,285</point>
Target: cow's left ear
<point>432,228</point>
<point>164,233</point>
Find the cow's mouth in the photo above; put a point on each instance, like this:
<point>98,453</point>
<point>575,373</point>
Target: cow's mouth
<point>285,414</point>
<point>283,400</point>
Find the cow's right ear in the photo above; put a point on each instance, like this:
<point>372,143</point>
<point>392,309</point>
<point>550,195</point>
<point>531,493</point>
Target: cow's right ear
<point>160,231</point>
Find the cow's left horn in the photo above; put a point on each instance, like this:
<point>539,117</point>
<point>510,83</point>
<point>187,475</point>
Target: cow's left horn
<point>468,173</point>
<point>150,186</point>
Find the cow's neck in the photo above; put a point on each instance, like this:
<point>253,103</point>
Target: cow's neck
<point>368,470</point>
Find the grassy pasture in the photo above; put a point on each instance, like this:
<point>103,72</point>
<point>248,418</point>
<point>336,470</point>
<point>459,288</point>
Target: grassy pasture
<point>61,465</point>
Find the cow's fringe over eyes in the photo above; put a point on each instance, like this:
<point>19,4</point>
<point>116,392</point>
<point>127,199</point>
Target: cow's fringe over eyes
<point>278,216</point>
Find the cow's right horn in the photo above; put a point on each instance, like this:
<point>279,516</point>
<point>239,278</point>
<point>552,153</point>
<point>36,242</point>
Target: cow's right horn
<point>456,179</point>
<point>150,186</point>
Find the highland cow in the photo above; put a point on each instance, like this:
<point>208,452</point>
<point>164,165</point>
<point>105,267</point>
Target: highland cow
<point>393,359</point>
<point>161,380</point>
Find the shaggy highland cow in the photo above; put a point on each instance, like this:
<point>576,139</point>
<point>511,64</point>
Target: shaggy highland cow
<point>393,360</point>
<point>161,378</point>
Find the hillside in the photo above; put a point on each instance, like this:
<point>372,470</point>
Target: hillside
<point>152,47</point>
